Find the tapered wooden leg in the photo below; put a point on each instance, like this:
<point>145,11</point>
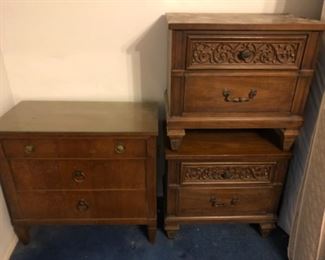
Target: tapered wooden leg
<point>266,228</point>
<point>176,138</point>
<point>171,231</point>
<point>151,232</point>
<point>22,233</point>
<point>287,137</point>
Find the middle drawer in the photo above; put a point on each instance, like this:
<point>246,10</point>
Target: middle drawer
<point>78,174</point>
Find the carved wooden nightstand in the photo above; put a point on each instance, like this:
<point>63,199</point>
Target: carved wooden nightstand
<point>224,176</point>
<point>239,71</point>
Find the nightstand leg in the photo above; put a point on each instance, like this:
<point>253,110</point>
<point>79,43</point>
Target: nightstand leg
<point>171,231</point>
<point>288,137</point>
<point>266,228</point>
<point>175,137</point>
<point>151,231</point>
<point>22,233</point>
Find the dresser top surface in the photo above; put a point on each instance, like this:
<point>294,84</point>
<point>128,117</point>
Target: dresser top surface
<point>237,21</point>
<point>215,143</point>
<point>81,117</point>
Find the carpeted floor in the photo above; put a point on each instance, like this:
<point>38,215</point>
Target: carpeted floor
<point>210,241</point>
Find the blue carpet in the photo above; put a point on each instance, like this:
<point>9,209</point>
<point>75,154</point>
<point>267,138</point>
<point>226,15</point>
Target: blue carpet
<point>208,241</point>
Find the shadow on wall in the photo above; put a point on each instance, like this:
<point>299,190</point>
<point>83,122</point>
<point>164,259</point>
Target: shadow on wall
<point>304,8</point>
<point>148,58</point>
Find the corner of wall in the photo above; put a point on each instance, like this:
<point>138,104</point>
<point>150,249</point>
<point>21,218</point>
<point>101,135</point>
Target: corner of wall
<point>8,238</point>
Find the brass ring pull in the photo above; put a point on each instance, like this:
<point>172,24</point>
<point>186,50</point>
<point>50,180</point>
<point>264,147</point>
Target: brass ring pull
<point>214,202</point>
<point>78,176</point>
<point>82,205</point>
<point>228,98</point>
<point>29,148</point>
<point>119,148</point>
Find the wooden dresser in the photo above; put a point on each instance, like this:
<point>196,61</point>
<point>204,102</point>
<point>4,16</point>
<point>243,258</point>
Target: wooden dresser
<point>239,71</point>
<point>224,176</point>
<point>79,163</point>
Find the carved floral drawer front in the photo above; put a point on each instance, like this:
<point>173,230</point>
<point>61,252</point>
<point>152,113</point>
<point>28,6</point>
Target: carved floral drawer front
<point>246,51</point>
<point>205,173</point>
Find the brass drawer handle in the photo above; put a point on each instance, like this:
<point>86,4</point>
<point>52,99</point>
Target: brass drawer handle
<point>29,148</point>
<point>214,202</point>
<point>227,175</point>
<point>78,176</point>
<point>82,205</point>
<point>228,98</point>
<point>119,148</point>
<point>246,54</point>
<point>234,201</point>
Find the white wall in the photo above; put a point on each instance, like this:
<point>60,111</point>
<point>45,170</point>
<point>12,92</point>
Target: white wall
<point>98,50</point>
<point>102,50</point>
<point>7,236</point>
<point>302,147</point>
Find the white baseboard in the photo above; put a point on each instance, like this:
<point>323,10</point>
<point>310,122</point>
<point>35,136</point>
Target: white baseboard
<point>11,247</point>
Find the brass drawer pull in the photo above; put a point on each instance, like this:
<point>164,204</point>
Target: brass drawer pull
<point>234,201</point>
<point>119,148</point>
<point>78,176</point>
<point>214,202</point>
<point>29,148</point>
<point>244,55</point>
<point>82,205</point>
<point>228,98</point>
<point>227,175</point>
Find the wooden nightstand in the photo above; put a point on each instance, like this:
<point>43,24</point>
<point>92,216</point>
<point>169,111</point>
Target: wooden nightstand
<point>239,71</point>
<point>79,163</point>
<point>224,176</point>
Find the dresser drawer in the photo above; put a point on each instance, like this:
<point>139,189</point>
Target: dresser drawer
<point>94,204</point>
<point>239,201</point>
<point>78,174</point>
<point>226,173</point>
<point>208,50</point>
<point>208,93</point>
<point>75,148</point>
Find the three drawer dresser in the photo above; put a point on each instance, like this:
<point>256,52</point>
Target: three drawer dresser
<point>239,71</point>
<point>79,163</point>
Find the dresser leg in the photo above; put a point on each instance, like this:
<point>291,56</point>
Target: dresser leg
<point>22,233</point>
<point>175,137</point>
<point>151,232</point>
<point>266,228</point>
<point>288,137</point>
<point>171,231</point>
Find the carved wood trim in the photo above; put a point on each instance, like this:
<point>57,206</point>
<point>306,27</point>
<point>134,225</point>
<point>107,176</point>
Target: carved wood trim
<point>231,172</point>
<point>248,51</point>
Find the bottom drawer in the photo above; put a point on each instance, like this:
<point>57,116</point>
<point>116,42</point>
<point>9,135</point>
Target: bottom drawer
<point>244,201</point>
<point>84,204</point>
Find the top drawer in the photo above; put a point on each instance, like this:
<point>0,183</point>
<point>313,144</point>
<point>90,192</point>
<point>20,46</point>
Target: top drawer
<point>248,51</point>
<point>75,148</point>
